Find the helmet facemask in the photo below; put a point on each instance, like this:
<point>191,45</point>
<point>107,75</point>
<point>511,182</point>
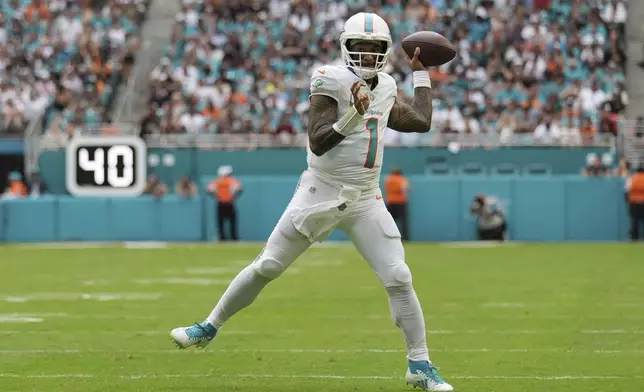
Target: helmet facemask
<point>355,59</point>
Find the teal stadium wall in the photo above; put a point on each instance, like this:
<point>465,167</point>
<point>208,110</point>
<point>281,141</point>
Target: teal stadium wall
<point>280,162</point>
<point>557,208</point>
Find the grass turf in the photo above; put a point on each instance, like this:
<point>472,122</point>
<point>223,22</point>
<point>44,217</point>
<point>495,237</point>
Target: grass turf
<point>512,318</point>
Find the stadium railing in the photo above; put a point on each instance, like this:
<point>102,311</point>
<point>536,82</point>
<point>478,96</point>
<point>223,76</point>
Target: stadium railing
<point>630,143</point>
<point>125,107</point>
<point>33,135</point>
<point>124,103</point>
<point>251,141</point>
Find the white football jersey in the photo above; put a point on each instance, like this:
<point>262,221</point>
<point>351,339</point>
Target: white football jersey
<point>357,160</point>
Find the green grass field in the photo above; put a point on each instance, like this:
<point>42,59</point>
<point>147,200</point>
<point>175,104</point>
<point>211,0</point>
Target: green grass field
<point>501,319</point>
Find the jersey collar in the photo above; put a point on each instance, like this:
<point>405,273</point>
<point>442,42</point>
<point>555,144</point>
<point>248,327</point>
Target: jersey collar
<point>375,79</point>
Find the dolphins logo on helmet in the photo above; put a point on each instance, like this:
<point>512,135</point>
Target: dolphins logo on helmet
<point>365,27</point>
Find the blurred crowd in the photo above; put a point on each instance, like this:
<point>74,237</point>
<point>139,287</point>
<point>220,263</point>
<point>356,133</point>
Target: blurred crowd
<point>604,166</point>
<point>544,71</point>
<point>540,71</point>
<point>64,59</point>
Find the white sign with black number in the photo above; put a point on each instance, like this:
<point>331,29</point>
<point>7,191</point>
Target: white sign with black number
<point>106,166</point>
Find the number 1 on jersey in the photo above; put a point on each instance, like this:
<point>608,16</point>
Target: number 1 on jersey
<point>372,128</point>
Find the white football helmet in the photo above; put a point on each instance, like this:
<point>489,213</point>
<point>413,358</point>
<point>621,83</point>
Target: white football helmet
<point>365,27</point>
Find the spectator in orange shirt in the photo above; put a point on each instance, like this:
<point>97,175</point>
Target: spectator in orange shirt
<point>237,97</point>
<point>17,188</point>
<point>635,195</point>
<point>226,189</point>
<point>588,131</point>
<point>396,188</point>
<point>211,112</point>
<point>38,7</point>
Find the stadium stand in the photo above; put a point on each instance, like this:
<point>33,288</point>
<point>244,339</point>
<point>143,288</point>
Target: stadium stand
<point>540,71</point>
<point>64,60</point>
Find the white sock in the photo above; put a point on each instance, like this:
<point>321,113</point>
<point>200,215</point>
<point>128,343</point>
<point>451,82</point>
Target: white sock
<point>241,292</point>
<point>408,316</point>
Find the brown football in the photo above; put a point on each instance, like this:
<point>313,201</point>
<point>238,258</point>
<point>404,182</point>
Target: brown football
<point>435,49</point>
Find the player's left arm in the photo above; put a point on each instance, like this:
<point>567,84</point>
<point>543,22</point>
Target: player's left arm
<point>416,117</point>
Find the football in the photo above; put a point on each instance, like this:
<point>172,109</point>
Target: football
<point>435,49</point>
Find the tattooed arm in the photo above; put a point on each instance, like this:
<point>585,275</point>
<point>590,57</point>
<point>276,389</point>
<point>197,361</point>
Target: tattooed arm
<point>416,117</point>
<point>322,115</point>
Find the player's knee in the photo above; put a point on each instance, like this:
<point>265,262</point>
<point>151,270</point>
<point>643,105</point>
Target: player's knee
<point>268,267</point>
<point>400,276</point>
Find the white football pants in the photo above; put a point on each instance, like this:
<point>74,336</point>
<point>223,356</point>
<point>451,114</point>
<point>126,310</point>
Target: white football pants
<point>373,232</point>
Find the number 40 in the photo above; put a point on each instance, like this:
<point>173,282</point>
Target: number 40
<point>97,165</point>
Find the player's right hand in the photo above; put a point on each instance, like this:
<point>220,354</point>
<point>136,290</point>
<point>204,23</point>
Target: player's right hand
<point>361,100</point>
<point>415,63</point>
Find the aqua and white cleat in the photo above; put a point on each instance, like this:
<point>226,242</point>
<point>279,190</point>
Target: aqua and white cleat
<point>425,376</point>
<point>198,335</point>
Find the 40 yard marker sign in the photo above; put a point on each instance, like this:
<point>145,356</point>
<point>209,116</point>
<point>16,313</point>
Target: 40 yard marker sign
<point>106,166</point>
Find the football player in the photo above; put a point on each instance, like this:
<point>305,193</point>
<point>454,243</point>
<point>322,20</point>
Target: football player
<point>351,106</point>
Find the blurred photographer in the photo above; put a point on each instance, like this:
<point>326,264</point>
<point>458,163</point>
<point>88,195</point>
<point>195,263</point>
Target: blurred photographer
<point>491,222</point>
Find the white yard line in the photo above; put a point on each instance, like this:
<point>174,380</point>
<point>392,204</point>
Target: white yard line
<point>278,332</point>
<point>178,280</point>
<point>429,318</point>
<point>100,297</point>
<point>211,270</point>
<point>479,244</point>
<point>145,245</point>
<point>145,296</point>
<point>4,319</point>
<point>306,376</point>
<point>309,351</point>
<point>521,305</point>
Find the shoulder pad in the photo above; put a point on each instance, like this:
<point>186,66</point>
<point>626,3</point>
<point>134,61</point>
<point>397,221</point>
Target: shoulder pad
<point>324,82</point>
